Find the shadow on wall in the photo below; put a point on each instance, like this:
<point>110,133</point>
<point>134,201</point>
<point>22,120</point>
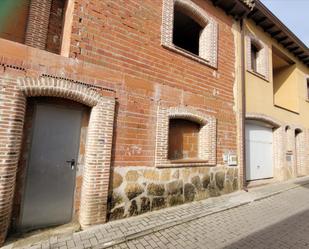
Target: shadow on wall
<point>288,233</point>
<point>303,183</point>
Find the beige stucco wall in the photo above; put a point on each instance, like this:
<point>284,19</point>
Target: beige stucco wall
<point>292,96</point>
<point>285,89</point>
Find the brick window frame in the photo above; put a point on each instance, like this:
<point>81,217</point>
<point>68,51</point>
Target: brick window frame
<point>96,173</point>
<point>38,20</point>
<point>208,42</point>
<point>262,62</point>
<point>207,137</point>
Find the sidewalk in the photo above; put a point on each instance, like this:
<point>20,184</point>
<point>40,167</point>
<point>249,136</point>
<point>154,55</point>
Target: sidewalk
<point>113,233</point>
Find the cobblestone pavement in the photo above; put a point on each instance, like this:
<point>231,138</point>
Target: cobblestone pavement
<point>281,221</point>
<point>273,216</point>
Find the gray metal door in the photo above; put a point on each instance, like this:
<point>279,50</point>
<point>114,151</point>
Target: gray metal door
<point>50,180</point>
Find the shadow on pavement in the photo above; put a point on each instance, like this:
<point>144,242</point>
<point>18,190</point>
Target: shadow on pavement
<point>291,233</point>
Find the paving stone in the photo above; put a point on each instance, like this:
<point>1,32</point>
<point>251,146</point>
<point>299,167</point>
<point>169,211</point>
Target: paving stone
<point>201,225</point>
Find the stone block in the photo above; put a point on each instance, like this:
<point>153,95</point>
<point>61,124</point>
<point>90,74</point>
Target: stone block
<point>116,200</point>
<point>196,181</point>
<point>205,181</point>
<point>117,213</point>
<point>117,180</point>
<point>213,190</point>
<point>152,175</point>
<point>174,200</point>
<point>189,192</point>
<point>155,189</point>
<point>133,189</point>
<point>132,176</point>
<point>165,175</point>
<point>158,202</point>
<point>174,187</point>
<point>145,204</point>
<point>220,178</point>
<point>133,208</point>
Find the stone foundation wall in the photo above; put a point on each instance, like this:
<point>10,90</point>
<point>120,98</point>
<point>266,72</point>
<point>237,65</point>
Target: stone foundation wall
<point>137,190</point>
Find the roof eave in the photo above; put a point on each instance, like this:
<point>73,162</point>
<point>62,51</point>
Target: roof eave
<point>236,8</point>
<point>264,18</point>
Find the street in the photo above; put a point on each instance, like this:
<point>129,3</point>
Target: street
<point>280,221</point>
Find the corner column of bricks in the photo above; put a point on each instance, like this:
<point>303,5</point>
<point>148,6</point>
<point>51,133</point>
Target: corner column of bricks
<point>12,110</point>
<point>94,192</point>
<point>37,28</point>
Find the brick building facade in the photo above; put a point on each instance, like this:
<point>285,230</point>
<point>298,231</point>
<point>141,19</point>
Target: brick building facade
<point>118,60</point>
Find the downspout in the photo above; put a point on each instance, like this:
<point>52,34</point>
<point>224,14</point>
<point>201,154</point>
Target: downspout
<point>243,107</point>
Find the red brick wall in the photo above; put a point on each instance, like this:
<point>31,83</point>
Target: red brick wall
<point>124,37</point>
<point>37,26</point>
<point>183,139</point>
<point>53,43</point>
<point>116,44</point>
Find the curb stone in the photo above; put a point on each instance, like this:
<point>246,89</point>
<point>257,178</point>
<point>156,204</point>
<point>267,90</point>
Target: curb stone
<point>120,231</point>
<point>170,224</point>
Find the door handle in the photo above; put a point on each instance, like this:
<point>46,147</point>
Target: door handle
<point>72,163</point>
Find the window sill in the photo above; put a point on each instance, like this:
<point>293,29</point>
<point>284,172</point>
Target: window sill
<point>258,75</point>
<point>185,163</point>
<point>189,160</point>
<point>189,55</point>
<point>286,109</point>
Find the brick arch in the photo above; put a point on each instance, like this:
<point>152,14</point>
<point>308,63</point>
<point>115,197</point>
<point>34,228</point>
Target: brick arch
<point>194,11</point>
<point>190,114</point>
<point>279,140</point>
<point>98,146</point>
<point>53,87</point>
<point>207,135</point>
<point>264,118</point>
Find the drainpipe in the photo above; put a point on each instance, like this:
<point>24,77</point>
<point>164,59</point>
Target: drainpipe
<point>243,100</point>
<point>243,97</point>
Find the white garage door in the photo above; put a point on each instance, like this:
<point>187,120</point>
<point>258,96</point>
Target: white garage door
<point>259,152</point>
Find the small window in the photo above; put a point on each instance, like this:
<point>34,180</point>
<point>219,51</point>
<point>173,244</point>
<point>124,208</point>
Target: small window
<point>257,56</point>
<point>183,139</point>
<point>254,57</point>
<point>186,32</point>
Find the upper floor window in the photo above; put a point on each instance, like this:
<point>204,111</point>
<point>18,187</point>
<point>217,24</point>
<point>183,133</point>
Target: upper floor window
<point>186,32</point>
<point>257,56</point>
<point>35,23</point>
<point>254,57</point>
<point>190,31</point>
<point>13,19</point>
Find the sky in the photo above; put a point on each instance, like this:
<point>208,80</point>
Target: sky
<point>294,14</point>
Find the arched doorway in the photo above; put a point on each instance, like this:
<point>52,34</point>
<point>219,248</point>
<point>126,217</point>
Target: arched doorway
<point>94,190</point>
<point>52,159</point>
